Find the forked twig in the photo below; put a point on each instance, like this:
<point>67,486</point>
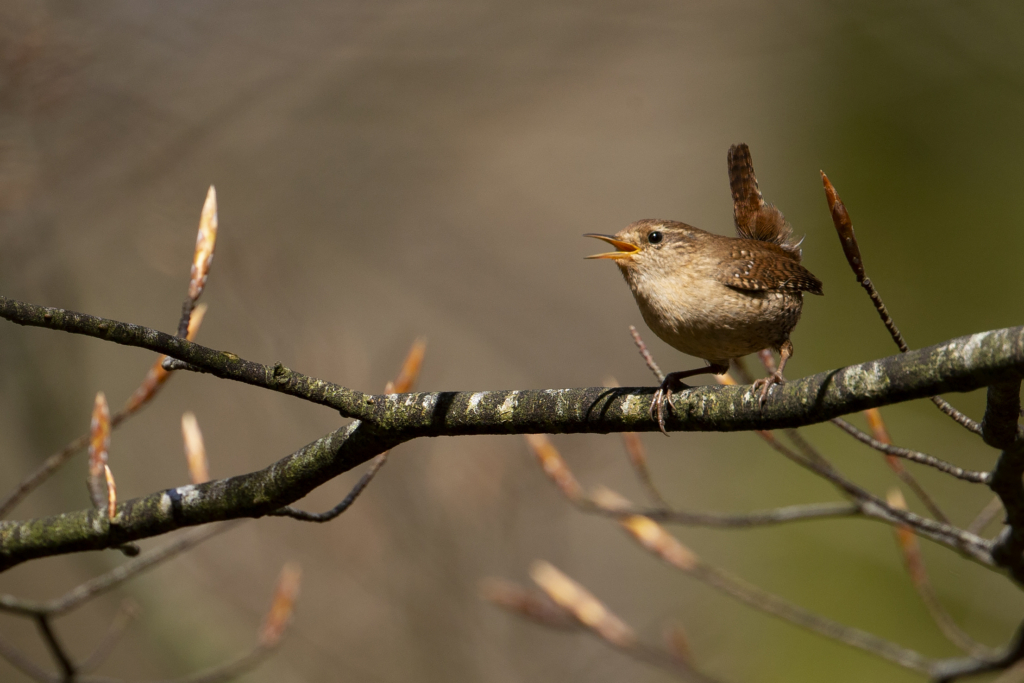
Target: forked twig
<point>404,383</point>
<point>151,384</point>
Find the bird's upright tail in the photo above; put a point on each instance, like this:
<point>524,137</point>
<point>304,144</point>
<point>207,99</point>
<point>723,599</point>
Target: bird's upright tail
<point>755,219</point>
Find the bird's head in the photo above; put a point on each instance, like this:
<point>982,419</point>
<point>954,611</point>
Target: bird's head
<point>652,246</point>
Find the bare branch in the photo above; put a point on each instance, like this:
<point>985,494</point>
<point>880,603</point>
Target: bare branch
<point>407,377</point>
<point>54,646</point>
<point>961,365</point>
<point>655,539</point>
<point>25,665</point>
<point>592,614</point>
<point>985,517</point>
<point>914,563</point>
<point>999,427</point>
<point>648,358</point>
<point>346,502</point>
<point>743,520</point>
<point>949,670</point>
<point>914,456</point>
<point>154,379</point>
<point>128,610</point>
<point>638,459</point>
<point>844,227</point>
<point>101,584</point>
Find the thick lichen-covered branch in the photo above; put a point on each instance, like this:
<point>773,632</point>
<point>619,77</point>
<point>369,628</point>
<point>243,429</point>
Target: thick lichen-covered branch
<point>248,495</point>
<point>962,364</point>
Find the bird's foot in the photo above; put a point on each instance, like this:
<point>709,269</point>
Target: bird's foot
<point>663,396</point>
<point>765,384</point>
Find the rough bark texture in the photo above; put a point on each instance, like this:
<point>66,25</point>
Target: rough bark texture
<point>963,364</point>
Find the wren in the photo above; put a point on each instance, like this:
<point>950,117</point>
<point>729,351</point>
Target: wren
<point>712,296</point>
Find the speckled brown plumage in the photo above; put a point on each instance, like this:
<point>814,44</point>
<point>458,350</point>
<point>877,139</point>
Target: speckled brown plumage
<point>716,297</point>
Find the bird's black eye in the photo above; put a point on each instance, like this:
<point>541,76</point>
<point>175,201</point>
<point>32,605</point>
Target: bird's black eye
<point>655,237</point>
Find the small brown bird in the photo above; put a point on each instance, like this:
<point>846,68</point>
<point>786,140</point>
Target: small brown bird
<point>712,296</point>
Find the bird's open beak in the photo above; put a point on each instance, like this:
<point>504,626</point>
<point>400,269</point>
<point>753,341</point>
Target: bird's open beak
<point>624,248</point>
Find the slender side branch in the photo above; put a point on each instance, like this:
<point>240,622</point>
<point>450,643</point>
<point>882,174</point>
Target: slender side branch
<point>655,539</point>
<point>56,649</point>
<point>19,661</point>
<point>949,670</point>
<point>914,456</point>
<point>222,364</point>
<point>844,227</point>
<point>346,502</point>
<point>744,520</point>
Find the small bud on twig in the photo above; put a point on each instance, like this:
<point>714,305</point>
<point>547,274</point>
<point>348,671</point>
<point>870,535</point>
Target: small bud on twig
<point>157,375</point>
<point>410,368</point>
<point>99,445</point>
<point>608,500</point>
<point>678,645</point>
<point>652,536</point>
<point>206,240</point>
<point>195,450</point>
<point>285,595</point>
<point>844,227</point>
<point>907,541</point>
<point>554,466</point>
<point>526,603</point>
<point>582,604</point>
<point>111,491</point>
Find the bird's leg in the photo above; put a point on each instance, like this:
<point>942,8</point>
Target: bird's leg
<point>672,384</point>
<point>785,352</point>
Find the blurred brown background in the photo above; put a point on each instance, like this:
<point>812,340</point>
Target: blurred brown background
<point>388,170</point>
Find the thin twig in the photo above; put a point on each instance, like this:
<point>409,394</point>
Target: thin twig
<point>648,358</point>
<point>975,477</point>
<point>881,435</point>
<point>76,596</point>
<point>601,622</point>
<point>128,610</point>
<point>638,459</point>
<point>345,504</point>
<point>216,674</point>
<point>985,517</point>
<point>19,661</point>
<point>910,549</point>
<point>949,670</point>
<point>151,384</point>
<point>746,520</point>
<point>56,649</point>
<point>844,227</point>
<point>970,545</point>
<point>655,539</point>
<point>407,377</point>
<point>118,575</point>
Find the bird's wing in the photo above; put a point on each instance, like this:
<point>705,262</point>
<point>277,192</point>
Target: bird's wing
<point>756,266</point>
